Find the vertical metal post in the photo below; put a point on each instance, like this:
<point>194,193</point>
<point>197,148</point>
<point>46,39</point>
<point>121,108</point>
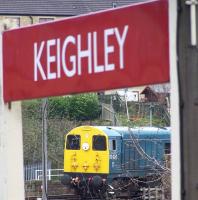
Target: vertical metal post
<point>44,148</point>
<point>151,115</point>
<point>193,27</point>
<point>126,104</point>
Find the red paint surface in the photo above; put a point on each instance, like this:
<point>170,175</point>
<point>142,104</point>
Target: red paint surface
<point>146,52</point>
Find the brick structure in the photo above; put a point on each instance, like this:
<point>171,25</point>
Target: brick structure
<point>27,12</point>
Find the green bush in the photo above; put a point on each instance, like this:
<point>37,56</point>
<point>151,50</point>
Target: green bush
<point>76,107</point>
<point>84,107</point>
<point>58,107</point>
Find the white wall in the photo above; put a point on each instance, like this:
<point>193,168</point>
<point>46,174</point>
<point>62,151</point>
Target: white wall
<point>175,140</point>
<point>11,147</point>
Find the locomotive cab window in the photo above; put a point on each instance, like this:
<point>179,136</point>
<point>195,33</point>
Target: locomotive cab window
<point>112,145</point>
<point>73,142</point>
<point>99,143</point>
<point>167,148</point>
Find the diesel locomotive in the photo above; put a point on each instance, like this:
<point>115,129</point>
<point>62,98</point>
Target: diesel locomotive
<point>114,161</point>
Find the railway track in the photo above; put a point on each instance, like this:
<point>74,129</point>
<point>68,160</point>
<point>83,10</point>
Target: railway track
<point>78,197</point>
<point>72,197</point>
<point>56,197</point>
<point>63,197</point>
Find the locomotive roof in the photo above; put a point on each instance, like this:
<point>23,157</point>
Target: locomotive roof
<point>142,132</point>
<point>109,131</point>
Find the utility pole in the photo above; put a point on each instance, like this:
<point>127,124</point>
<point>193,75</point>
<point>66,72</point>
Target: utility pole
<point>127,110</point>
<point>151,115</point>
<point>44,148</point>
<point>188,83</point>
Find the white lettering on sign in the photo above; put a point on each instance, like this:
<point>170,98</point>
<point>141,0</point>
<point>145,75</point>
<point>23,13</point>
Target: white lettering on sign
<point>84,53</point>
<point>50,59</point>
<point>69,73</point>
<point>108,49</point>
<point>37,64</point>
<point>57,60</point>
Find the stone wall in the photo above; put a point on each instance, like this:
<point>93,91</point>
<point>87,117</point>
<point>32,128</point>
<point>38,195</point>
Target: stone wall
<point>9,22</point>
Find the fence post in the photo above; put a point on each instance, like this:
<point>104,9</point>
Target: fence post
<point>149,193</point>
<point>36,174</point>
<point>144,194</point>
<point>156,193</point>
<point>163,194</point>
<point>49,174</point>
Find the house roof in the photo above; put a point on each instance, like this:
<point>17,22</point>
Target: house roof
<point>58,7</point>
<point>147,90</point>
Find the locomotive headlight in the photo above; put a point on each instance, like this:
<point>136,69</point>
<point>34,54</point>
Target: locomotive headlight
<point>85,146</point>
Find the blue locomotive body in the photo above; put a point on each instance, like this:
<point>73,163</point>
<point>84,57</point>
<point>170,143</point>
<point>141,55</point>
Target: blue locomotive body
<point>137,152</point>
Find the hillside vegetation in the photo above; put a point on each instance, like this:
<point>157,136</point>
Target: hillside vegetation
<point>65,113</point>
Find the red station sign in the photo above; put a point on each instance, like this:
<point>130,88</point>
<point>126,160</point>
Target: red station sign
<point>118,48</point>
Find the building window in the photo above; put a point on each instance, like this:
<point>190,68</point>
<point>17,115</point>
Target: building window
<point>114,4</point>
<point>12,22</point>
<point>45,19</point>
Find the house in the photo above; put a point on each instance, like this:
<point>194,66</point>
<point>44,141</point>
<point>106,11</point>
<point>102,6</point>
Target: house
<point>26,12</point>
<point>150,93</point>
<point>58,7</point>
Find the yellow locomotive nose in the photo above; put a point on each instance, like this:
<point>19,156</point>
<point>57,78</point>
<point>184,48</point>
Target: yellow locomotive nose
<point>86,151</point>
